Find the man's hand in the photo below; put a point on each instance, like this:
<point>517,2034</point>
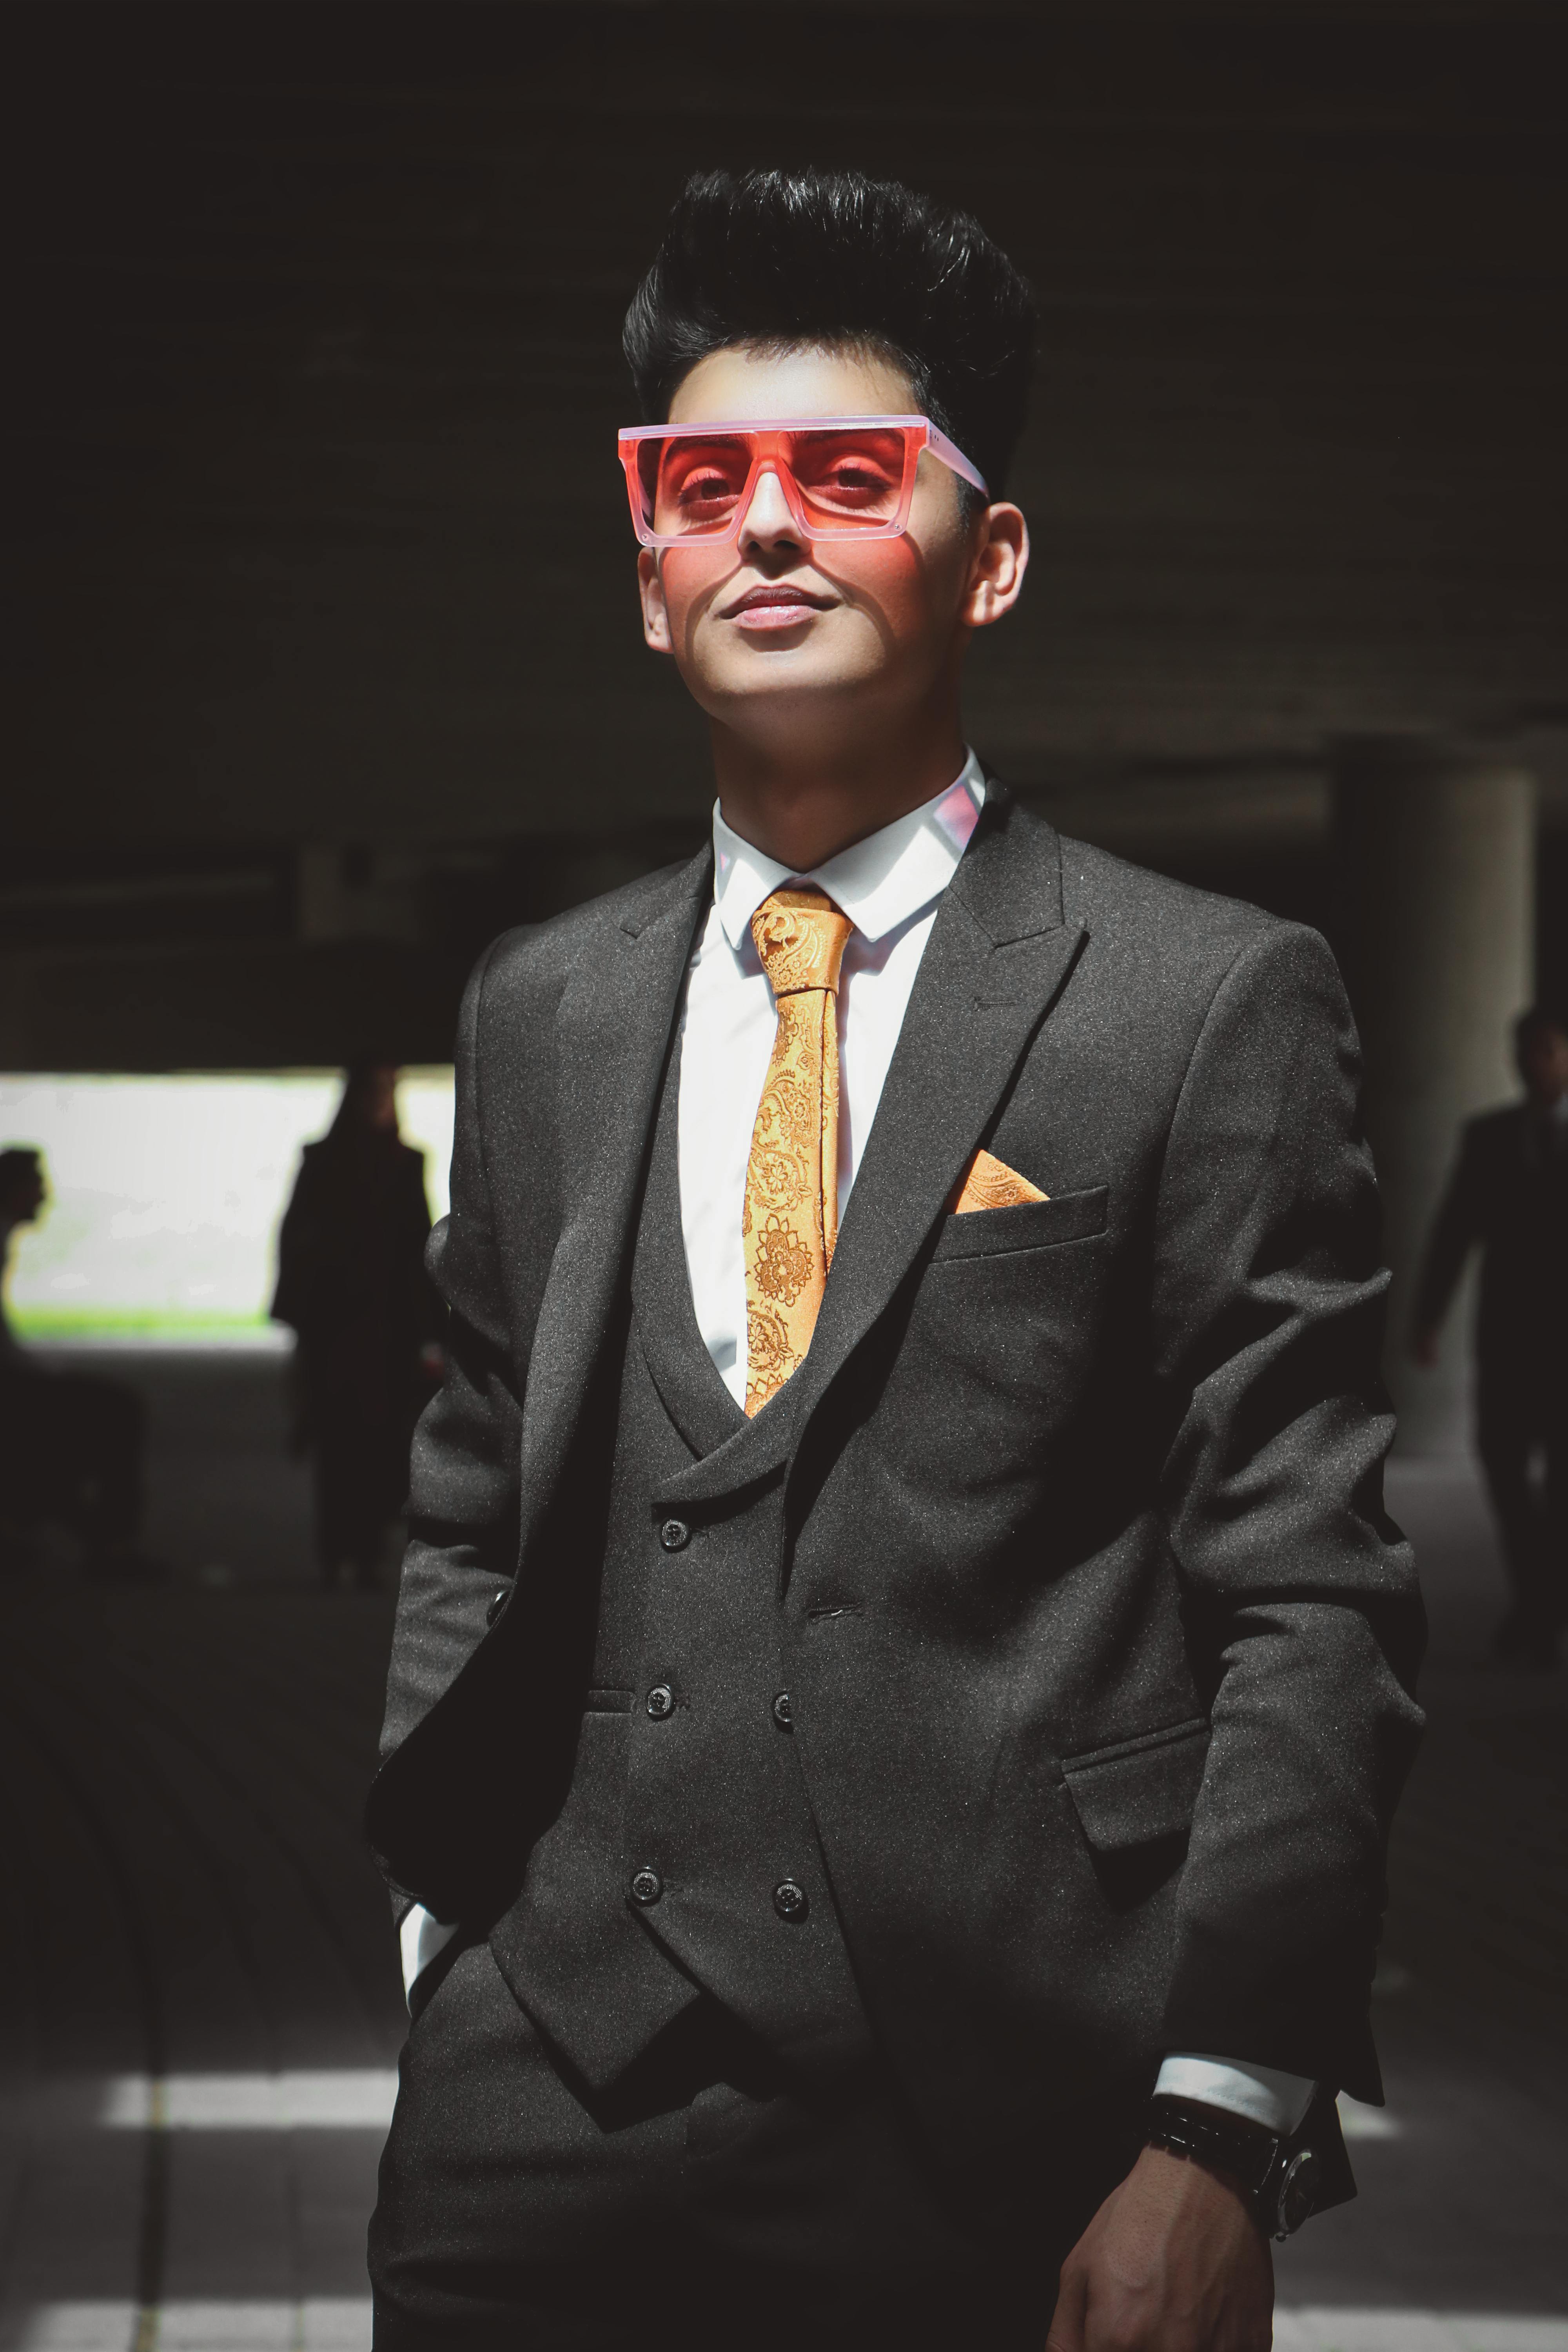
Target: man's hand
<point>1173,2262</point>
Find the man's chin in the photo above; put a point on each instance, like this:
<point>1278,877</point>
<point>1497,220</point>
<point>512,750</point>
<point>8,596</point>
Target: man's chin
<point>780,681</point>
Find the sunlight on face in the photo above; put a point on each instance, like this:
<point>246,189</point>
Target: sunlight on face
<point>770,615</point>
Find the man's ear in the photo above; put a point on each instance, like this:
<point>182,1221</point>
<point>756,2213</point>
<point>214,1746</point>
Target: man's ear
<point>997,567</point>
<point>655,612</point>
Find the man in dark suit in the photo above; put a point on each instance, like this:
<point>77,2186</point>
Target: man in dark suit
<point>1508,1195</point>
<point>903,1672</point>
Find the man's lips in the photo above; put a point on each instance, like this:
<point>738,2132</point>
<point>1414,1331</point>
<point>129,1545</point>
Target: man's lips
<point>774,607</point>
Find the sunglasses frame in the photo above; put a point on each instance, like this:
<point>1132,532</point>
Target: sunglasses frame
<point>774,432</point>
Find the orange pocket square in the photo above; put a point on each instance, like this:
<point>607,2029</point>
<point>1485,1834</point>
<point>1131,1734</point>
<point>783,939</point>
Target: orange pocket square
<point>989,1183</point>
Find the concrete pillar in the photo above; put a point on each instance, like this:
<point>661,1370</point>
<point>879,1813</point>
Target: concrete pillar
<point>1435,857</point>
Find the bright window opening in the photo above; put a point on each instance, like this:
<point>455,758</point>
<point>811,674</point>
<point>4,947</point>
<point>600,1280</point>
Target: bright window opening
<point>165,1195</point>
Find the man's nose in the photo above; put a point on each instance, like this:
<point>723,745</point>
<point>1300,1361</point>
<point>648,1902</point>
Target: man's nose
<point>768,521</point>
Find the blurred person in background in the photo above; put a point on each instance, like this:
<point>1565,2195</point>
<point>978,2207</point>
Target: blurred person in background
<point>71,1443</point>
<point>1509,1194</point>
<point>351,1283</point>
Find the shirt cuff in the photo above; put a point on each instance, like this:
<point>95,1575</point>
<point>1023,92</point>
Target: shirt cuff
<point>420,1938</point>
<point>1261,2093</point>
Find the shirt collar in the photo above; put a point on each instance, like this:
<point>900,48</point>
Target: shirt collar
<point>878,882</point>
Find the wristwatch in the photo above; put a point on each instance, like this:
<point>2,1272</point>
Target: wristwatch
<point>1279,2176</point>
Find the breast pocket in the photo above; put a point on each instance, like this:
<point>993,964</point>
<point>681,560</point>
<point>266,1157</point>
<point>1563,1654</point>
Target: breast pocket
<point>1006,1329</point>
<point>1030,1225</point>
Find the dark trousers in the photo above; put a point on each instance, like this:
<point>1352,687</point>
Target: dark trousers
<point>361,1479</point>
<point>709,2199</point>
<point>358,1391</point>
<point>1514,1424</point>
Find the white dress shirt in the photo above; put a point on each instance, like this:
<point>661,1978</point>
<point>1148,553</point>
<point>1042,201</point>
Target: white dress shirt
<point>890,886</point>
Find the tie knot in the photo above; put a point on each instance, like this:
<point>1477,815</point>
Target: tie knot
<point>801,936</point>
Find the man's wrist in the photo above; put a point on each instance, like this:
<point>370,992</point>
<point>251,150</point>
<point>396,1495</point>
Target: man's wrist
<point>1158,2156</point>
<point>1275,2177</point>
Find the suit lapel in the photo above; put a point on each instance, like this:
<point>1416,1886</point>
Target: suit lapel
<point>614,1028</point>
<point>999,955</point>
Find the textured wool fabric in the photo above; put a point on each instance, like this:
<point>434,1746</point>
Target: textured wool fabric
<point>704,1787</point>
<point>1098,1641</point>
<point>715,2199</point>
<point>789,1222</point>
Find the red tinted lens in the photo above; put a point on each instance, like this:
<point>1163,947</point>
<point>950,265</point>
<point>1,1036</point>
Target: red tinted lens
<point>841,479</point>
<point>851,476</point>
<point>691,485</point>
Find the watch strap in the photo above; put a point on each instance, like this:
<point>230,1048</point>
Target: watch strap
<point>1282,2180</point>
<point>1223,2144</point>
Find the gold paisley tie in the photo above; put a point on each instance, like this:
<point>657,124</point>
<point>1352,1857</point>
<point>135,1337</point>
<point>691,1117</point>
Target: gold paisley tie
<point>790,1219</point>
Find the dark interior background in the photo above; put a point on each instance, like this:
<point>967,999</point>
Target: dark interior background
<point>322,648</point>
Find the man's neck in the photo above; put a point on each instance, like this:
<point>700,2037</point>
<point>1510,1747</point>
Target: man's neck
<point>801,813</point>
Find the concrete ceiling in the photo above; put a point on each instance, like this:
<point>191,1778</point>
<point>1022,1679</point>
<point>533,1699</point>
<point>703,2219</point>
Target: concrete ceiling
<point>317,534</point>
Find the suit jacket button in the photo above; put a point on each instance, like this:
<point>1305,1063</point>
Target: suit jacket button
<point>497,1605</point>
<point>675,1535</point>
<point>790,1901</point>
<point>784,1711</point>
<point>647,1886</point>
<point>660,1702</point>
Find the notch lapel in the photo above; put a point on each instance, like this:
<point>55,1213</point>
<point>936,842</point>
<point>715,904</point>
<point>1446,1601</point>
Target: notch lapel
<point>614,1028</point>
<point>999,954</point>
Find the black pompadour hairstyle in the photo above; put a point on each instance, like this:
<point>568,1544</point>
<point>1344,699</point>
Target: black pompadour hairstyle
<point>783,258</point>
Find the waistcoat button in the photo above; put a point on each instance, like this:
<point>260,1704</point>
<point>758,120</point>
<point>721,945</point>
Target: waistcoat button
<point>497,1605</point>
<point>675,1535</point>
<point>784,1710</point>
<point>647,1886</point>
<point>660,1702</point>
<point>790,1901</point>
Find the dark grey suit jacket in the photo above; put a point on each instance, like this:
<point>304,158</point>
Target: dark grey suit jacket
<point>1100,1640</point>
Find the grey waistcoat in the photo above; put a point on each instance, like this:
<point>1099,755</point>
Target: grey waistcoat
<point>684,1857</point>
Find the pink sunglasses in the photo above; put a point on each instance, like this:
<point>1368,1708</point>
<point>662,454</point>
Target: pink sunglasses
<point>841,476</point>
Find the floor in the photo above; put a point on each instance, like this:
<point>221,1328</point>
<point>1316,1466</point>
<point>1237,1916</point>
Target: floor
<point>199,2009</point>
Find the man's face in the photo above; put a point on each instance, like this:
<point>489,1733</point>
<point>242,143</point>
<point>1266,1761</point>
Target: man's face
<point>769,624</point>
<point>1544,1063</point>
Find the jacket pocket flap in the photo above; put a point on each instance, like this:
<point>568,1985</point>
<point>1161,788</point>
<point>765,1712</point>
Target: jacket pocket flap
<point>1029,1225</point>
<point>1141,1788</point>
